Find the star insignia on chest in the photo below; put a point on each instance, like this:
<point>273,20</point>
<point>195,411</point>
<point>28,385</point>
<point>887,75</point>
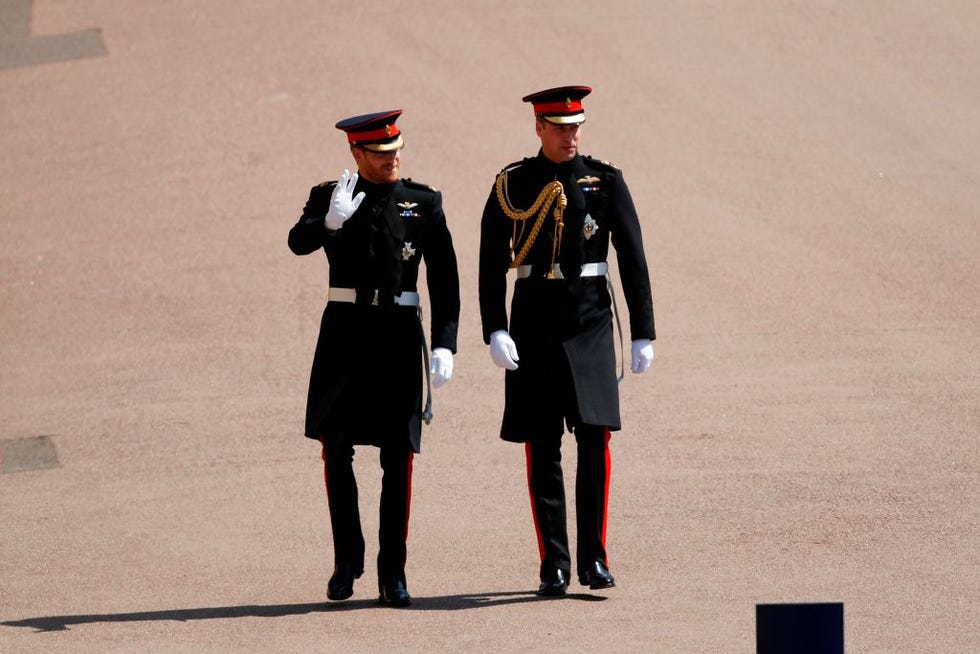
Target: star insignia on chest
<point>591,227</point>
<point>407,251</point>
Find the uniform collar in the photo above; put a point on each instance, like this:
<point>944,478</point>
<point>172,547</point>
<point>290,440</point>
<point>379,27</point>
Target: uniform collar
<point>571,164</point>
<point>372,188</point>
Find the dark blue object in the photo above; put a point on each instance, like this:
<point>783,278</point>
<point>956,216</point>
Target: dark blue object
<point>799,628</point>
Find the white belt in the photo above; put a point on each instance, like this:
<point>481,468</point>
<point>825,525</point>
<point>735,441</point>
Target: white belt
<point>338,294</point>
<point>594,269</point>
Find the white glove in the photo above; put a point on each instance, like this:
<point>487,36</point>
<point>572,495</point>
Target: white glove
<point>503,350</point>
<point>441,366</point>
<point>642,355</point>
<point>342,205</point>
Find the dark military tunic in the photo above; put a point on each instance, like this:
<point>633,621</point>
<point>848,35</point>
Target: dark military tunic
<point>366,378</point>
<point>563,327</point>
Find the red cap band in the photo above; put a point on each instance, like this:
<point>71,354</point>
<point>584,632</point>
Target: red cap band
<point>387,132</point>
<point>567,107</point>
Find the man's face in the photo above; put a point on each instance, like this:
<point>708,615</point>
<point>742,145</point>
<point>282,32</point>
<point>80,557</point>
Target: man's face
<point>558,142</point>
<point>378,167</point>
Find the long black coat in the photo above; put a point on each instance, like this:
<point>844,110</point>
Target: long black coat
<point>366,378</point>
<point>563,328</point>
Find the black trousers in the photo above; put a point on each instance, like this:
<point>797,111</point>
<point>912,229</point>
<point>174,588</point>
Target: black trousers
<point>345,518</point>
<point>547,489</point>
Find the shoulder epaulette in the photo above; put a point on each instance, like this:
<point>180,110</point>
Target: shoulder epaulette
<point>600,164</point>
<point>418,186</point>
<point>327,183</point>
<point>511,166</point>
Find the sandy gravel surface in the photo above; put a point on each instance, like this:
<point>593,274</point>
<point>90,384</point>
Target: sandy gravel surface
<point>808,179</point>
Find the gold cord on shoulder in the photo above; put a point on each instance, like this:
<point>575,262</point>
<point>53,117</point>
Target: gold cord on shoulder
<point>552,194</point>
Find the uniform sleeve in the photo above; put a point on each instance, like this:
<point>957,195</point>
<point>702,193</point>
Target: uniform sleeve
<point>309,233</point>
<point>495,256</point>
<point>442,279</point>
<point>634,275</point>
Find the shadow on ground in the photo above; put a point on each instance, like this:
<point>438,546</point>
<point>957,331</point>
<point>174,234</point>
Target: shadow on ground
<point>443,603</point>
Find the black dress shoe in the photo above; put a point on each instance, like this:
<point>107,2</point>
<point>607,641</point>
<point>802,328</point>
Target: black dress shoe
<point>393,592</point>
<point>554,583</point>
<point>341,584</point>
<point>597,576</point>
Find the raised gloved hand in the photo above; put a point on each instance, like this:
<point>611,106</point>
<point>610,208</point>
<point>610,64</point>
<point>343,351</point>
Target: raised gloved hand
<point>342,205</point>
<point>441,366</point>
<point>503,350</point>
<point>642,355</point>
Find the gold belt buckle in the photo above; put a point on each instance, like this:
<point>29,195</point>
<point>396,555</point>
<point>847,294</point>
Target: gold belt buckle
<point>554,272</point>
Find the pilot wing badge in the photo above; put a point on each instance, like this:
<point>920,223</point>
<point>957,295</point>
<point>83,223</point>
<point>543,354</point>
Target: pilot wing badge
<point>408,209</point>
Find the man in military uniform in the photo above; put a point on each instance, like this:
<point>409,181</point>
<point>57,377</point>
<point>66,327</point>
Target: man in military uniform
<point>550,220</point>
<point>366,381</point>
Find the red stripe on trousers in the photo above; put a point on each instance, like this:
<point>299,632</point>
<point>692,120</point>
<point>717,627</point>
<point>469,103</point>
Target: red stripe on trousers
<point>408,502</point>
<point>605,496</point>
<point>326,479</point>
<point>534,512</point>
